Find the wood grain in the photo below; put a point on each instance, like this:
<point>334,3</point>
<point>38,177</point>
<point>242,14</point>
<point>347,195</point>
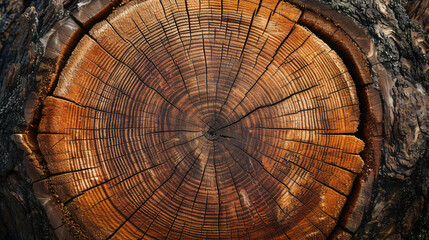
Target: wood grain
<point>203,119</point>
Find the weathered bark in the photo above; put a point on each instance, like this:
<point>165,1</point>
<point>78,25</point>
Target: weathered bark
<point>399,198</point>
<point>418,10</point>
<point>22,216</point>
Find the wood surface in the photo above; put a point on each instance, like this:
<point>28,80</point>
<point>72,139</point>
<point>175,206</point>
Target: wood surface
<point>211,119</point>
<point>418,10</point>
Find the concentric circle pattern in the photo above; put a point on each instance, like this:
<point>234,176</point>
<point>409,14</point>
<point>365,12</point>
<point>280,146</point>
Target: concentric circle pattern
<point>202,119</point>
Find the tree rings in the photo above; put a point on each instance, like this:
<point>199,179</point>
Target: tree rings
<point>203,119</point>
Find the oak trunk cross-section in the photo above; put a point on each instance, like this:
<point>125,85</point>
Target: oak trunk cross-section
<point>202,119</point>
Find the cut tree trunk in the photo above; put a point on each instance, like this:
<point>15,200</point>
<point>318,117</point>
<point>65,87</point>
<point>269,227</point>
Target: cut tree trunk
<point>212,119</point>
<point>202,120</point>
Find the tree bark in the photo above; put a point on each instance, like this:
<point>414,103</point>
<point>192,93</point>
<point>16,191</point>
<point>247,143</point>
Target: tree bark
<point>400,205</point>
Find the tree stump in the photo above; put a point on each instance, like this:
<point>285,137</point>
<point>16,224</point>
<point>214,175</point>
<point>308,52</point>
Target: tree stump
<point>205,119</point>
<point>192,119</point>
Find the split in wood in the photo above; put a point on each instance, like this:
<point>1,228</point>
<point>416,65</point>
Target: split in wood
<point>196,119</point>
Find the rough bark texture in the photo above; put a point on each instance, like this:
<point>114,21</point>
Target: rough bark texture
<point>400,206</point>
<point>418,10</point>
<point>22,216</point>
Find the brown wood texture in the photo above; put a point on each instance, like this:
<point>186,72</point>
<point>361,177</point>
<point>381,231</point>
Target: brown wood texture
<point>211,119</point>
<point>418,10</point>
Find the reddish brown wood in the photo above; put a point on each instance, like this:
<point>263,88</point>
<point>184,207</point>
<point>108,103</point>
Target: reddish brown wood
<point>219,119</point>
<point>357,50</point>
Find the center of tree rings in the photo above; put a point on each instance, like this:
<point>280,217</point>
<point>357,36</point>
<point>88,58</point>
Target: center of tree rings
<point>211,134</point>
<point>202,120</point>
